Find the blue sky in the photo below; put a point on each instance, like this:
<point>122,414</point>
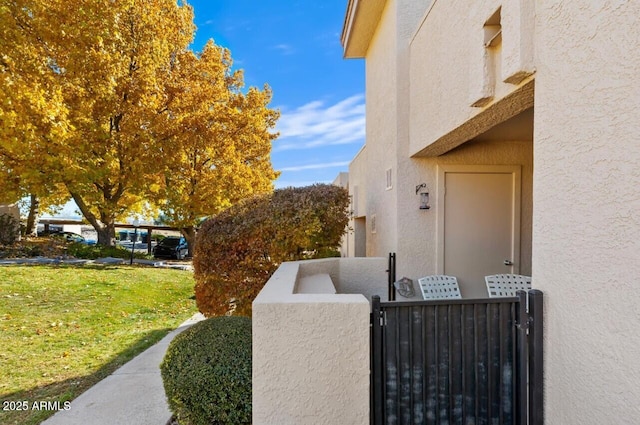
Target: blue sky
<point>294,47</point>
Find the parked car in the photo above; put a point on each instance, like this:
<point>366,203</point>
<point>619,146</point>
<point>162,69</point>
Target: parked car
<point>73,237</point>
<point>171,247</point>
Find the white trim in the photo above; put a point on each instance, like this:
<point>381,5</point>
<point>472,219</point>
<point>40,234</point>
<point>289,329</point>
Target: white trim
<point>352,5</point>
<point>515,170</point>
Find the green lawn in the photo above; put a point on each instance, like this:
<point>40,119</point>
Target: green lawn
<point>62,328</point>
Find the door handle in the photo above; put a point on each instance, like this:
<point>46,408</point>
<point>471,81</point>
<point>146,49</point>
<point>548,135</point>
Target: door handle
<point>507,263</point>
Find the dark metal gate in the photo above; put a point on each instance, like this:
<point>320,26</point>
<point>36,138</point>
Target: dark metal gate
<point>466,362</point>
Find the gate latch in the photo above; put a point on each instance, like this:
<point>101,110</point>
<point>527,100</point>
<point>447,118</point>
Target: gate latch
<point>526,325</point>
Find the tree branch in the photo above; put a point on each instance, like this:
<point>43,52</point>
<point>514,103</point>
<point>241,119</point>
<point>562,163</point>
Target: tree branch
<point>84,209</point>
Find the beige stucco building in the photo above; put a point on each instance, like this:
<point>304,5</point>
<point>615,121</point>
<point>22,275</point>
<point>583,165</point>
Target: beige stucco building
<point>12,211</point>
<point>502,137</point>
<point>521,120</point>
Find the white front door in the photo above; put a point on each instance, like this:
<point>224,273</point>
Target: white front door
<point>478,224</point>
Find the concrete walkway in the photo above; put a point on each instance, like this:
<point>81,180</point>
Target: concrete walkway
<point>132,395</point>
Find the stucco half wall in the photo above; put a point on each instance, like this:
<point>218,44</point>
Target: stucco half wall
<point>311,350</point>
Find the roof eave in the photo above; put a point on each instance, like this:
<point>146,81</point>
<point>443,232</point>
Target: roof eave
<point>360,22</point>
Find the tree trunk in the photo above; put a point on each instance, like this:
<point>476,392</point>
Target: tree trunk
<point>106,234</point>
<point>34,211</point>
<point>189,234</point>
<point>106,228</point>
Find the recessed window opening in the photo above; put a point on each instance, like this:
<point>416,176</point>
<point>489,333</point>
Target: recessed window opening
<point>493,30</point>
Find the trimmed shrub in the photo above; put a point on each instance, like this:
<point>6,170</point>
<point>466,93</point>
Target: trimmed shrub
<point>80,250</point>
<point>207,372</point>
<point>238,250</point>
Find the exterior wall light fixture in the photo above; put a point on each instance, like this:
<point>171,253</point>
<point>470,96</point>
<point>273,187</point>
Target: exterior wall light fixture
<point>424,196</point>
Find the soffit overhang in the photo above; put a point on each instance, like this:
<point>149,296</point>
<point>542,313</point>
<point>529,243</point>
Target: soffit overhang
<point>517,102</point>
<point>360,22</point>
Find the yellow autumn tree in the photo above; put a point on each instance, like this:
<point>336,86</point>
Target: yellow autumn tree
<point>218,136</point>
<point>101,62</point>
<point>32,111</point>
<point>106,99</point>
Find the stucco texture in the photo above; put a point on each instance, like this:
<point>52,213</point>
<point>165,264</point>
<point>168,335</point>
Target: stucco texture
<point>381,82</point>
<point>12,210</point>
<point>417,256</point>
<point>417,91</point>
<point>451,69</point>
<point>311,351</point>
<point>303,346</point>
<point>580,215</point>
<point>586,232</point>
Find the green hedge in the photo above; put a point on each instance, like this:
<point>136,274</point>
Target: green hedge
<point>207,372</point>
<point>92,252</point>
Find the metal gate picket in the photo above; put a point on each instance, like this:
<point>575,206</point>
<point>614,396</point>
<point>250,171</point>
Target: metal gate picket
<point>457,362</point>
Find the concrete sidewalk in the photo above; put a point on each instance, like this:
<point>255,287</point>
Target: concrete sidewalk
<point>132,395</point>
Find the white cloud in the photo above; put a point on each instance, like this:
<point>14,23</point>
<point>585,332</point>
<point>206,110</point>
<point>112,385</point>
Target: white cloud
<point>285,49</point>
<point>316,166</point>
<point>315,124</point>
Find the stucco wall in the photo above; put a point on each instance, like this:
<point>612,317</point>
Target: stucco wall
<point>311,351</point>
<point>387,85</point>
<point>365,276</point>
<point>581,184</point>
<point>381,82</point>
<point>449,67</point>
<point>417,231</point>
<point>586,233</point>
<point>12,210</point>
<point>357,235</point>
<point>427,83</point>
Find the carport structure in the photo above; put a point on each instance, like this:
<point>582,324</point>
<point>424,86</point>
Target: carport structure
<point>148,227</point>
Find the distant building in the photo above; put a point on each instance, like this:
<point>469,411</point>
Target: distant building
<point>12,210</point>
